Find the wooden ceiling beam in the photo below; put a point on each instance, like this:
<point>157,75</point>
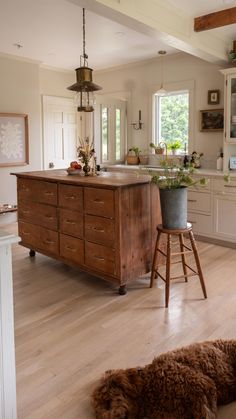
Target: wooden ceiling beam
<point>215,20</point>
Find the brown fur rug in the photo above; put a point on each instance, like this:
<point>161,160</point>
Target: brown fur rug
<point>186,383</point>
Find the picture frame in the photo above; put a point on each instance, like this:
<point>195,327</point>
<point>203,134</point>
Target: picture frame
<point>213,97</point>
<point>212,120</point>
<point>14,139</point>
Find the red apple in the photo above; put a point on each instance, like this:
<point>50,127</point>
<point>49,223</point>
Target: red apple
<point>75,165</point>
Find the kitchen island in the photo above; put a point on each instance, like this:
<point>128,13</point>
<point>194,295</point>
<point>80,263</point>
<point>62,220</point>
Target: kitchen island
<point>105,225</point>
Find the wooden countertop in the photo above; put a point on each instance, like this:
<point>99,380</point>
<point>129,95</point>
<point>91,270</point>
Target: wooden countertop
<point>104,179</point>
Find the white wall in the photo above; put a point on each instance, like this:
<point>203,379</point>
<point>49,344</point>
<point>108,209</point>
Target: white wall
<point>141,78</point>
<point>19,87</point>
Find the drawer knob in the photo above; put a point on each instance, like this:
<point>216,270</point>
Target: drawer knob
<point>70,222</point>
<point>98,257</point>
<point>71,249</point>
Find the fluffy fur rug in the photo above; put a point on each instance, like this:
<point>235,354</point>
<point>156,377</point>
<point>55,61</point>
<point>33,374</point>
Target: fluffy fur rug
<point>187,383</point>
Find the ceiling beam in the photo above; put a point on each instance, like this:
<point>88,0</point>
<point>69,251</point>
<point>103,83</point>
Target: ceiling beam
<point>215,20</point>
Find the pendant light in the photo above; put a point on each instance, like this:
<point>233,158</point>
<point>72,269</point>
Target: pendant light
<point>161,91</point>
<point>84,85</point>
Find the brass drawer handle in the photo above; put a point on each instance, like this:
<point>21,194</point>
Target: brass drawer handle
<point>70,222</point>
<point>49,193</point>
<point>25,211</point>
<point>49,217</point>
<point>98,229</point>
<point>229,186</point>
<point>98,257</point>
<point>72,249</point>
<point>70,197</point>
<point>48,241</point>
<point>98,201</point>
<point>192,200</point>
<point>26,233</point>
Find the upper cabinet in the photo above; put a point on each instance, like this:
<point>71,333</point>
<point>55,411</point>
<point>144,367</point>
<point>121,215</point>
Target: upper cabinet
<point>229,115</point>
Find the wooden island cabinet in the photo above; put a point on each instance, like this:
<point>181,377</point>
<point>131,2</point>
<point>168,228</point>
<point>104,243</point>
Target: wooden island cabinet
<point>104,225</point>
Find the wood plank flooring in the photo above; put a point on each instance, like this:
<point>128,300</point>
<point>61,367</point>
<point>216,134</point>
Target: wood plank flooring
<point>70,327</point>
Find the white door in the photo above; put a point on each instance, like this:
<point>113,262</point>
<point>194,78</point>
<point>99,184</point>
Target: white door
<point>60,127</point>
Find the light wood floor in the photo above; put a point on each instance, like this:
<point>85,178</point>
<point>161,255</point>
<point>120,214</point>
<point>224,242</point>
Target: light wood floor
<point>71,327</point>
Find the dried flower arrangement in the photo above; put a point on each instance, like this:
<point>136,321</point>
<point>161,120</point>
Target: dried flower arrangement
<point>85,153</point>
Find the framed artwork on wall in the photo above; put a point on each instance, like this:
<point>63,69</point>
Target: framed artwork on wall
<point>212,120</point>
<point>14,142</point>
<point>213,97</point>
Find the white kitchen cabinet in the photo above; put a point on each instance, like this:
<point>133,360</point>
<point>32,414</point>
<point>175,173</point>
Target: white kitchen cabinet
<point>229,146</point>
<point>225,216</point>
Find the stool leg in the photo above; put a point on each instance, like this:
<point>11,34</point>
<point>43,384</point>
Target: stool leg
<point>197,260</point>
<point>168,258</point>
<point>155,259</point>
<point>183,257</point>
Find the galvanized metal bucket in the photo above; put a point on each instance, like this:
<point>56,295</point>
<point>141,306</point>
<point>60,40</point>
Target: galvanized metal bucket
<point>174,208</point>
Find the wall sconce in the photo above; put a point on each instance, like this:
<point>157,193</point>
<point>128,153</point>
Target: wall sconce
<point>138,125</point>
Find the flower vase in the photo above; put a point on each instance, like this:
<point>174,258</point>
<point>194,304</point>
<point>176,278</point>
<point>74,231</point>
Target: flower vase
<point>86,168</point>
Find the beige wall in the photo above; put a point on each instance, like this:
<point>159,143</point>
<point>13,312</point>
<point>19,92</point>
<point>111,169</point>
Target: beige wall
<point>19,87</point>
<point>141,78</point>
<point>22,85</point>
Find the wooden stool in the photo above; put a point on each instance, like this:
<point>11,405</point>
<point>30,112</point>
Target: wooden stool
<point>183,251</point>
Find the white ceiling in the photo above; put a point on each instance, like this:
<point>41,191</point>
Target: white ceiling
<point>50,31</point>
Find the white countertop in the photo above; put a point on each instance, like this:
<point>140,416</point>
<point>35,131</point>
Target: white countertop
<point>144,168</point>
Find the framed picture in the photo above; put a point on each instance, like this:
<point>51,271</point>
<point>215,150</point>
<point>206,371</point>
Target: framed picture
<point>213,97</point>
<point>212,120</point>
<point>14,142</point>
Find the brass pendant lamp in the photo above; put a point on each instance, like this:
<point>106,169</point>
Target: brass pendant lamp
<point>162,91</point>
<point>84,85</point>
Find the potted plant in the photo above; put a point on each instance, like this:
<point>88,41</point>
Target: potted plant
<point>173,185</point>
<point>174,145</point>
<point>133,155</point>
<point>157,148</point>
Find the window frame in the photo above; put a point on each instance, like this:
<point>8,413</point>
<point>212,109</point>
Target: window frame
<point>188,85</point>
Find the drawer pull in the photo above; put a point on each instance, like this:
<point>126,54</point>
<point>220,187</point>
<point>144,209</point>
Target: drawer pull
<point>192,222</point>
<point>49,217</point>
<point>98,229</point>
<point>25,189</point>
<point>49,193</point>
<point>26,233</point>
<point>192,200</point>
<point>48,241</point>
<point>25,211</point>
<point>98,257</point>
<point>70,196</point>
<point>70,222</point>
<point>98,201</point>
<point>72,249</point>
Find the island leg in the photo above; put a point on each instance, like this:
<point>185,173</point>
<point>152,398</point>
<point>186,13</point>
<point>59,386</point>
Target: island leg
<point>32,253</point>
<point>122,289</point>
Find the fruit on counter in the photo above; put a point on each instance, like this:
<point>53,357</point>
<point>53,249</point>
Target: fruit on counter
<point>75,165</point>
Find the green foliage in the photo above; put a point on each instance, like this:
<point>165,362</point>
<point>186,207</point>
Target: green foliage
<point>136,150</point>
<point>174,111</point>
<point>174,145</point>
<point>174,177</point>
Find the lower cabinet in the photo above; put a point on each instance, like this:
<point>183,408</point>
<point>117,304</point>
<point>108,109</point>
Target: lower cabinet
<point>225,216</point>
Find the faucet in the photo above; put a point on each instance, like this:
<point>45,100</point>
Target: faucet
<point>162,143</point>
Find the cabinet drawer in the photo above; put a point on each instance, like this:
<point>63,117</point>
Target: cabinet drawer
<point>38,237</point>
<point>99,202</point>
<point>37,191</point>
<point>100,257</point>
<point>99,230</point>
<point>72,249</point>
<point>40,214</point>
<point>227,187</point>
<point>71,222</point>
<point>199,201</point>
<point>71,197</point>
<point>202,223</point>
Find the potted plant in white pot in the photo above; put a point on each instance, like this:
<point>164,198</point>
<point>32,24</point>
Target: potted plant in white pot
<point>173,185</point>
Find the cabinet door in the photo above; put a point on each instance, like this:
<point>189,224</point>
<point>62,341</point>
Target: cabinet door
<point>225,216</point>
<point>231,110</point>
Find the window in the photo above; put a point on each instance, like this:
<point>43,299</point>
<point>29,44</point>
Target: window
<point>172,120</point>
<point>110,129</point>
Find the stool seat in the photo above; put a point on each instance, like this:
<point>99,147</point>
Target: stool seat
<point>168,253</point>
